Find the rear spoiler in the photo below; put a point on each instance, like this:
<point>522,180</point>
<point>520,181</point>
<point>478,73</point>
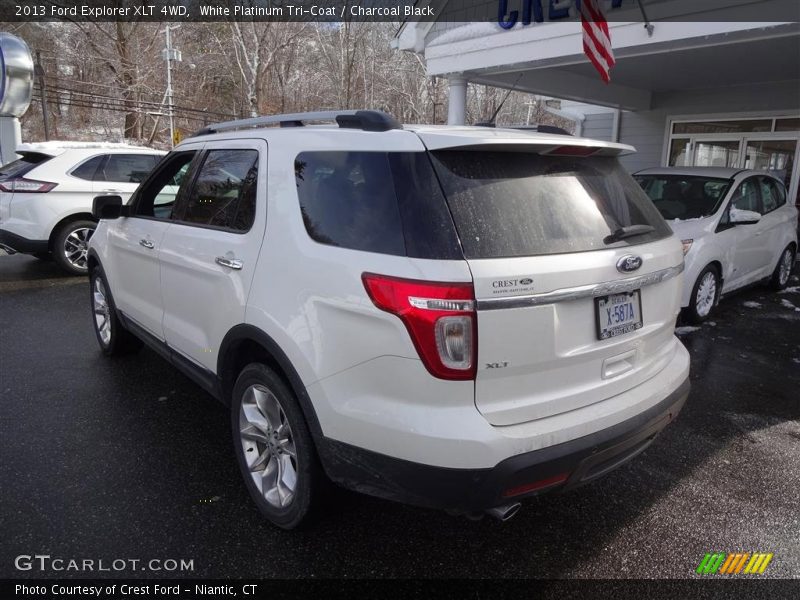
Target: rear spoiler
<point>506,140</point>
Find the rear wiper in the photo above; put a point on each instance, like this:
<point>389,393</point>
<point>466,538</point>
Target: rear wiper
<point>628,231</point>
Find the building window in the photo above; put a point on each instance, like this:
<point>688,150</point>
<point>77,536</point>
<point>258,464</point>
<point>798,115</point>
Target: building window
<point>723,126</point>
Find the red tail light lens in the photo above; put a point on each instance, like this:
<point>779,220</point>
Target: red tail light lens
<point>573,151</point>
<point>26,186</point>
<point>439,317</point>
<point>536,485</point>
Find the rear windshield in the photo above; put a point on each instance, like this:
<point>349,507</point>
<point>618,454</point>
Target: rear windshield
<point>507,204</point>
<point>684,196</point>
<point>18,168</point>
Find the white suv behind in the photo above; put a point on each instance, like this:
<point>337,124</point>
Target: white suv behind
<point>454,317</point>
<point>46,195</point>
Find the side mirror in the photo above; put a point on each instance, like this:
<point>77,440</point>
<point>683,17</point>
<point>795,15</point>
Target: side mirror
<point>744,217</point>
<point>107,207</point>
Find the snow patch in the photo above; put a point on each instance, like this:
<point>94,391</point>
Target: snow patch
<point>795,289</point>
<point>684,330</point>
<point>469,31</point>
<point>786,304</point>
<point>752,304</point>
<point>56,147</point>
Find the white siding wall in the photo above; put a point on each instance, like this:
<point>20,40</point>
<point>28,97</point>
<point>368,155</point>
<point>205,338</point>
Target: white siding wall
<point>645,132</point>
<point>598,127</point>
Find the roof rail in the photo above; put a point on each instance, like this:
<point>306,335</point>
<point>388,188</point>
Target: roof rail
<point>366,120</point>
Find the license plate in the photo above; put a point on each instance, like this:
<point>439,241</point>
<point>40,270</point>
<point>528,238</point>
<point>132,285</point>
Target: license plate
<point>618,314</point>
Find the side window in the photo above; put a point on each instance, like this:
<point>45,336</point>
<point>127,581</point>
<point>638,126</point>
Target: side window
<point>348,199</point>
<point>746,196</point>
<point>772,195</point>
<point>127,168</point>
<point>158,195</point>
<point>224,191</point>
<point>88,169</point>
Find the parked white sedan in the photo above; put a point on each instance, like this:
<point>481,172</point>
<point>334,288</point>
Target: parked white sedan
<point>736,227</point>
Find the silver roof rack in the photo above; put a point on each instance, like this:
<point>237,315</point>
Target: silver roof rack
<point>366,120</point>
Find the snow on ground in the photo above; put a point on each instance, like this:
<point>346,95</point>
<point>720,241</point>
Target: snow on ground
<point>751,304</point>
<point>795,289</point>
<point>686,329</point>
<point>786,304</point>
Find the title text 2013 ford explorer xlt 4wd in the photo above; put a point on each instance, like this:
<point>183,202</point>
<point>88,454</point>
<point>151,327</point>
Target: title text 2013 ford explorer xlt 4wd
<point>454,317</point>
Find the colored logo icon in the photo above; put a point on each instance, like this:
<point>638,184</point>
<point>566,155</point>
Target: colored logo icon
<point>721,563</point>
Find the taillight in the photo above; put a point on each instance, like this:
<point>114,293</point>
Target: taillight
<point>573,151</point>
<point>26,186</point>
<point>439,317</point>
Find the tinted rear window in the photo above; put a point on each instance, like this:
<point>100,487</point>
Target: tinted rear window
<point>28,162</point>
<point>508,204</point>
<point>383,202</point>
<point>684,196</point>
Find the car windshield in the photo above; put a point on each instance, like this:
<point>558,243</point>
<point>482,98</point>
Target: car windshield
<point>523,204</point>
<point>684,196</point>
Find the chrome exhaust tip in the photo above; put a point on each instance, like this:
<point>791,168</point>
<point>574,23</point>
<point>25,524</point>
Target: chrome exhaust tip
<point>505,512</point>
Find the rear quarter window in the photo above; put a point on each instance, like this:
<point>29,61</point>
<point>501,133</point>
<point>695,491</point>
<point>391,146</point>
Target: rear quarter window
<point>382,202</point>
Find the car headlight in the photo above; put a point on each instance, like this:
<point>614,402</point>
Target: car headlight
<point>686,245</point>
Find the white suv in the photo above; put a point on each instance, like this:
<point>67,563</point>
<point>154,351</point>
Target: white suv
<point>453,317</point>
<point>46,196</point>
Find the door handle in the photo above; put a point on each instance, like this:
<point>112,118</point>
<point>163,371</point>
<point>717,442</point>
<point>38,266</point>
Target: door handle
<point>147,244</point>
<point>231,263</point>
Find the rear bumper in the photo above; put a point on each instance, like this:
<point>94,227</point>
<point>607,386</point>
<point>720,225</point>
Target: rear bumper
<point>562,466</point>
<point>17,243</point>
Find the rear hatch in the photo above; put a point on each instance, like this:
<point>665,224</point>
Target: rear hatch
<point>575,273</point>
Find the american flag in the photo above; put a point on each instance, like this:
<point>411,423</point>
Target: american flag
<point>596,39</point>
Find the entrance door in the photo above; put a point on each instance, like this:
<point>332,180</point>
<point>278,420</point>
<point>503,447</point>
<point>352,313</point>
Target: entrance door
<point>776,156</point>
<point>716,153</point>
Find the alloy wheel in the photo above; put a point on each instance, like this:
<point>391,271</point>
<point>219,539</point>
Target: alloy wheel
<point>102,312</point>
<point>268,445</point>
<point>785,267</point>
<point>76,246</point>
<point>706,294</point>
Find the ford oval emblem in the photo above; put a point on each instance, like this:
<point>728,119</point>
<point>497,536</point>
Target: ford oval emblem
<point>629,263</point>
<point>526,281</point>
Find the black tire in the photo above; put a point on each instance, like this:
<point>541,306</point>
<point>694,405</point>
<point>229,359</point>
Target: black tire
<point>309,476</point>
<point>65,242</point>
<point>120,341</point>
<point>699,311</point>
<point>45,256</point>
<point>780,278</point>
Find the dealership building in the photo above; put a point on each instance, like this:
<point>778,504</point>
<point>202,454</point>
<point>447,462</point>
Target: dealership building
<point>711,83</point>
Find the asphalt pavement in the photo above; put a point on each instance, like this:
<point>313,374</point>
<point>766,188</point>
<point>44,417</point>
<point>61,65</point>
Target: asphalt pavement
<point>127,459</point>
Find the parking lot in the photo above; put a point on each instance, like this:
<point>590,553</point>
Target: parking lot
<point>129,459</point>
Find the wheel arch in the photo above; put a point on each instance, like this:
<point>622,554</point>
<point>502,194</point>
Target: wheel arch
<point>244,344</point>
<point>92,260</point>
<point>78,216</point>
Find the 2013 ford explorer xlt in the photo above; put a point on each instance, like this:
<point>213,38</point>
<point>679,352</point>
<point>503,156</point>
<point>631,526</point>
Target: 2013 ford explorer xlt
<point>453,317</point>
